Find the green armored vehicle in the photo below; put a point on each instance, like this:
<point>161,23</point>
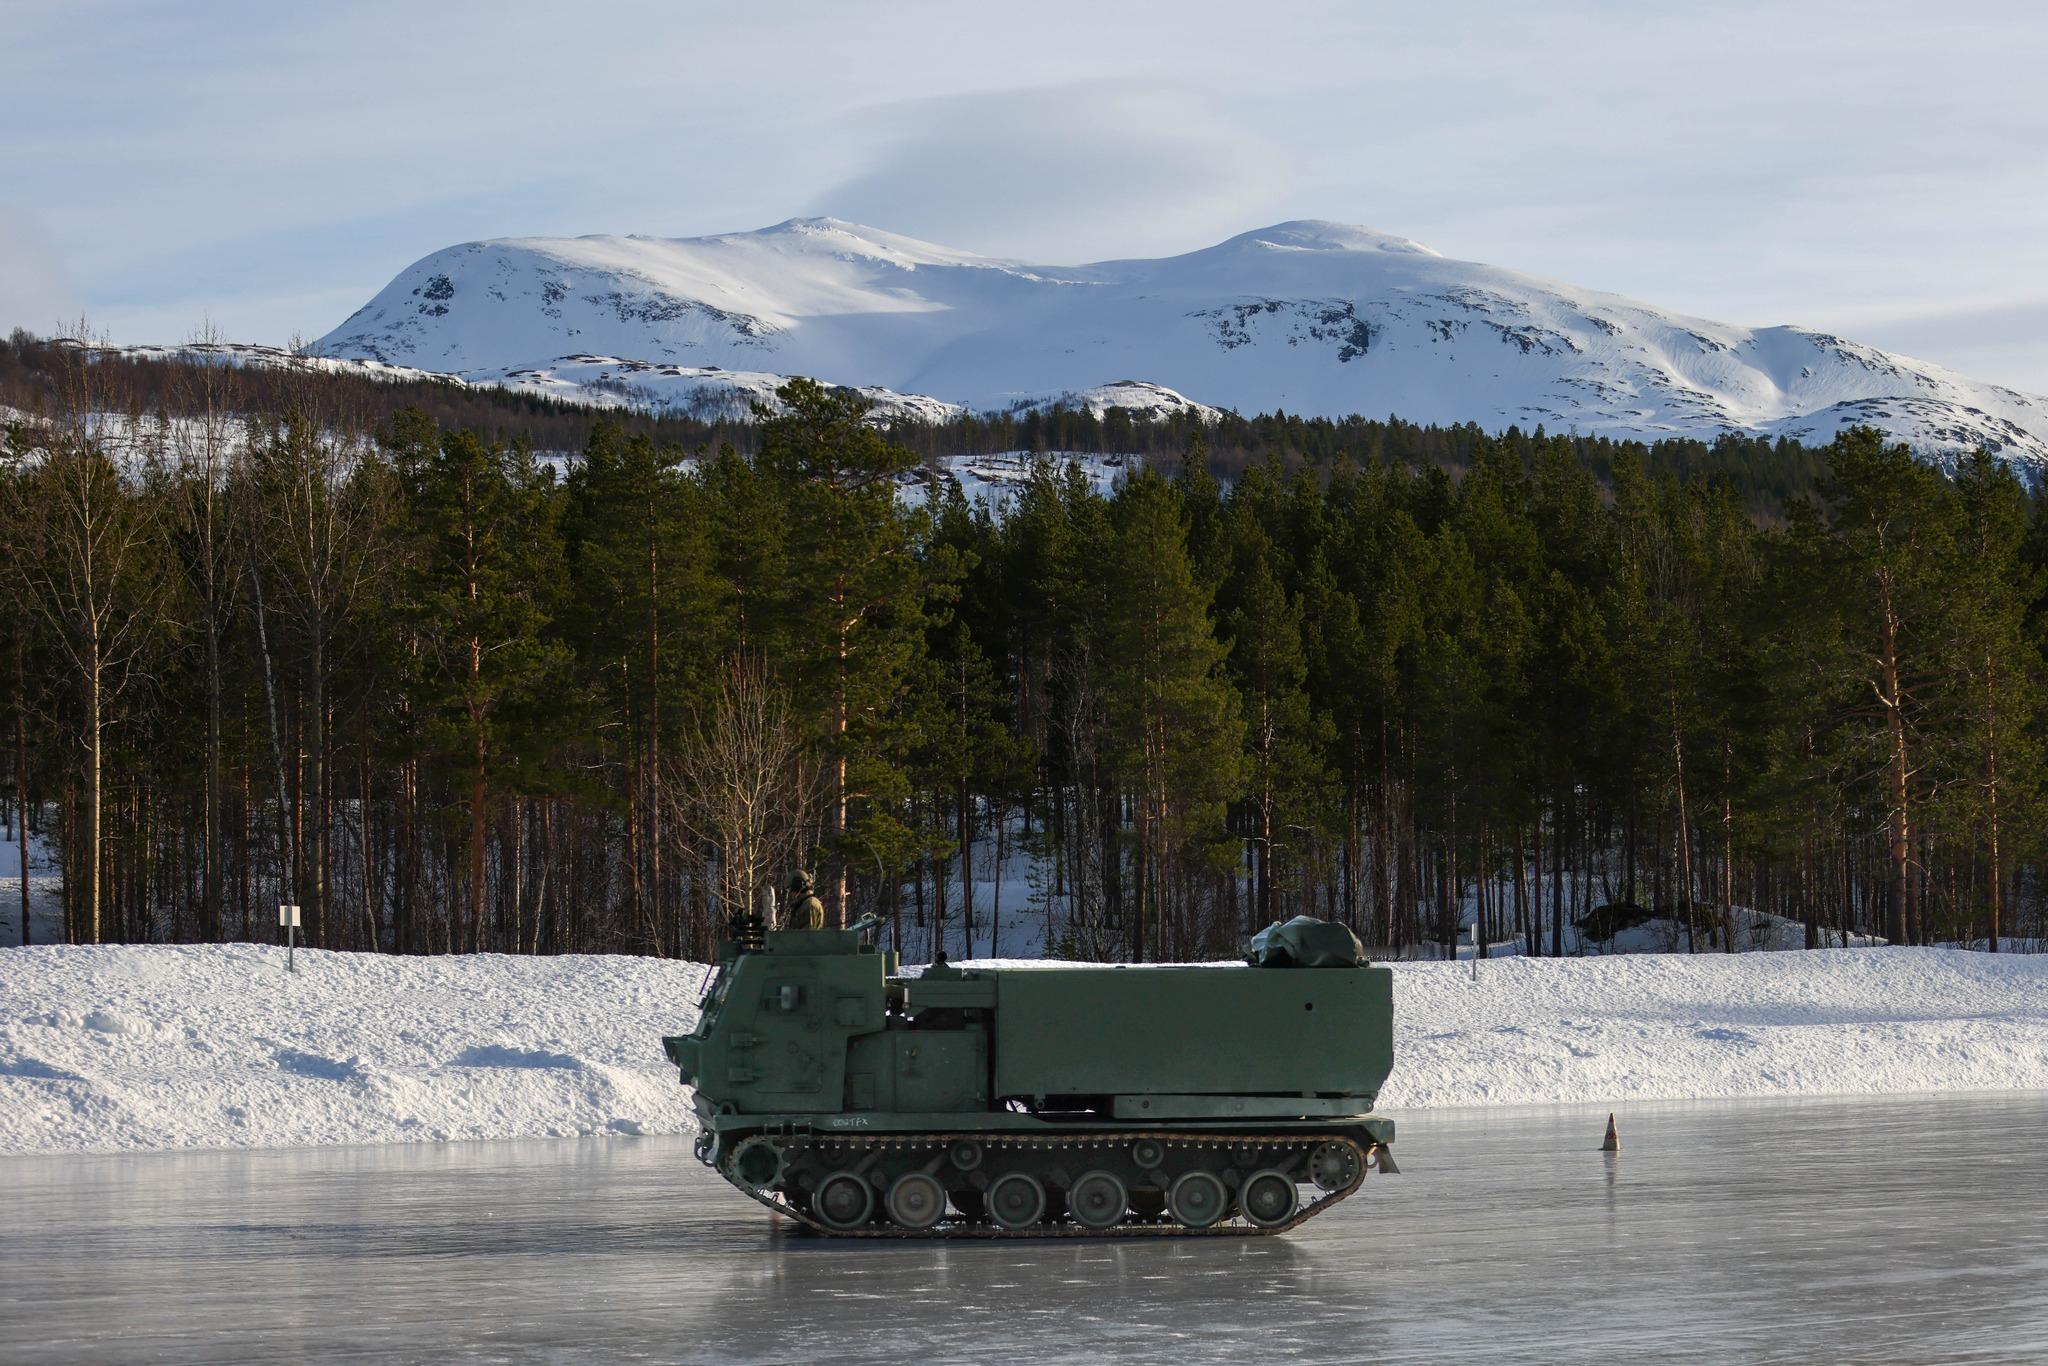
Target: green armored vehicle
<point>1055,1101</point>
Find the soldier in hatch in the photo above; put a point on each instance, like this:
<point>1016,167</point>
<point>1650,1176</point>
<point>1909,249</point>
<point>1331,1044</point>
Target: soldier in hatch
<point>804,911</point>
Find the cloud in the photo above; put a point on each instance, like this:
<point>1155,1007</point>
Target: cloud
<point>1066,172</point>
<point>35,292</point>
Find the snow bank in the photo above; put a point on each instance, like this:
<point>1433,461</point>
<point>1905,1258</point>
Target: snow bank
<point>213,1046</point>
<point>1673,1026</point>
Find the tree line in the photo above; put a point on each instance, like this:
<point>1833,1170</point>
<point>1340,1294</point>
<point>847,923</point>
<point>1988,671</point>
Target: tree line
<point>1766,473</point>
<point>269,641</point>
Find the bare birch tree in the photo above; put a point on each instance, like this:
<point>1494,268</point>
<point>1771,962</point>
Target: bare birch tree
<point>745,783</point>
<point>83,557</point>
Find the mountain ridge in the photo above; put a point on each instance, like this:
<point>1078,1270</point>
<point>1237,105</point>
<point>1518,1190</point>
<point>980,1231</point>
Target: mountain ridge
<point>1310,316</point>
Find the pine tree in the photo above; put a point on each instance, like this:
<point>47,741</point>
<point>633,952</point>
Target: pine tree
<point>1996,676</point>
<point>639,539</point>
<point>488,563</point>
<point>1287,788</point>
<point>1893,538</point>
<point>857,596</point>
<point>1176,719</point>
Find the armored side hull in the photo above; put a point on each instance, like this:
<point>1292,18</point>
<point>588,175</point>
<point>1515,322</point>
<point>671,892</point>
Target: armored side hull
<point>1054,1102</point>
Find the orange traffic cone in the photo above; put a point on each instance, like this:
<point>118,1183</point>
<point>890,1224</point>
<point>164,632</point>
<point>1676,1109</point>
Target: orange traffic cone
<point>1611,1143</point>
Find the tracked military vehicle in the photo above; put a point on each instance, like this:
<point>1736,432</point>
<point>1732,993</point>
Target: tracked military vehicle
<point>1054,1101</point>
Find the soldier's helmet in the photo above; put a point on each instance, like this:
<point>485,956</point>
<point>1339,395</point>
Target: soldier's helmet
<point>800,882</point>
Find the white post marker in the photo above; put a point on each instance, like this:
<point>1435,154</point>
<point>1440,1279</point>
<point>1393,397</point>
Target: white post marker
<point>288,916</point>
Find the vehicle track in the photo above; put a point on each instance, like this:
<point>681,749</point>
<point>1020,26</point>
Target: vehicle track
<point>1160,1226</point>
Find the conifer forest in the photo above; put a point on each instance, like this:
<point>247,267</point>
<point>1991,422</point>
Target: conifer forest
<point>462,672</point>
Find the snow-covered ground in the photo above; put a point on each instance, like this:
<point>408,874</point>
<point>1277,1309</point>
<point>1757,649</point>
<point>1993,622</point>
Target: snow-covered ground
<point>45,891</point>
<point>1753,931</point>
<point>995,479</point>
<point>215,1046</point>
<point>1677,1026</point>
<point>706,393</point>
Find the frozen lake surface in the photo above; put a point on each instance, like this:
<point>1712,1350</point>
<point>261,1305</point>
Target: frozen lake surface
<point>1902,1229</point>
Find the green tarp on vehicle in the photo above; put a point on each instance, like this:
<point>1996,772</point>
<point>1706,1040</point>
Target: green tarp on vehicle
<point>1305,942</point>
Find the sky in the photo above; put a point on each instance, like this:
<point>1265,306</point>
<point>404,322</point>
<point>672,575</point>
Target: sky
<point>1872,169</point>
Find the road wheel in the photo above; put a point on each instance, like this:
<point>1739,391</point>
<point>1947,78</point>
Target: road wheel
<point>915,1201</point>
<point>1016,1200</point>
<point>1267,1198</point>
<point>843,1200</point>
<point>1197,1199</point>
<point>1097,1200</point>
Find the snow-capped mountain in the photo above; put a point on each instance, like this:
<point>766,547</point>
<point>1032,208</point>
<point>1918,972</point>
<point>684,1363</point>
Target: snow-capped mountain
<point>1309,317</point>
